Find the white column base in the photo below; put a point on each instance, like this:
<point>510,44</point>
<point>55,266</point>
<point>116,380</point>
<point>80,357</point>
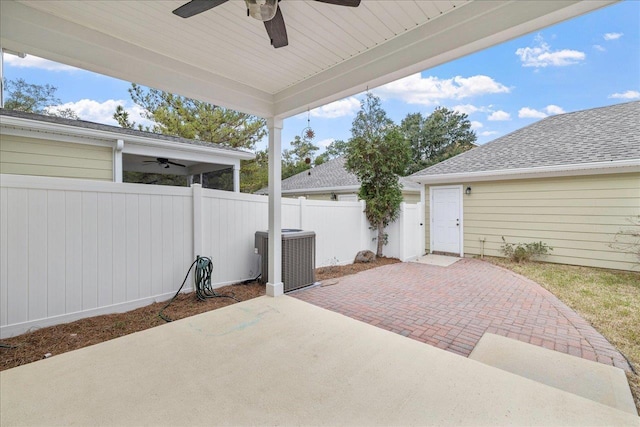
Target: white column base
<point>275,289</point>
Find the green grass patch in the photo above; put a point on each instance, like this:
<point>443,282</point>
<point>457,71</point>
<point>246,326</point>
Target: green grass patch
<point>608,299</point>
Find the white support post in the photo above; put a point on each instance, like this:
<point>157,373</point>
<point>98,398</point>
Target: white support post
<point>423,218</point>
<point>401,234</point>
<point>117,161</point>
<point>196,194</point>
<point>301,207</point>
<point>236,178</point>
<point>275,287</point>
<point>1,77</point>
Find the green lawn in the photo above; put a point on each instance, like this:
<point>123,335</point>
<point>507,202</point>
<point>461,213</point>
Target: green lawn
<point>608,299</point>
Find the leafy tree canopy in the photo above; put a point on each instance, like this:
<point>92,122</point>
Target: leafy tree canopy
<point>34,98</point>
<point>294,160</point>
<point>377,153</point>
<point>254,174</point>
<point>443,134</point>
<point>337,148</point>
<point>180,116</point>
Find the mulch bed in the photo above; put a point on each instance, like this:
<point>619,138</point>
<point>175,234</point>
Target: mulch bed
<point>332,272</point>
<point>58,339</point>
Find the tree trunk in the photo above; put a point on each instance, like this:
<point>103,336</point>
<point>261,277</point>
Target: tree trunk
<point>380,239</point>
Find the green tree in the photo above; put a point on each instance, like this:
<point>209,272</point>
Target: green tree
<point>254,174</point>
<point>336,149</point>
<point>122,117</point>
<point>443,134</point>
<point>180,116</point>
<point>295,160</point>
<point>377,153</point>
<point>34,98</point>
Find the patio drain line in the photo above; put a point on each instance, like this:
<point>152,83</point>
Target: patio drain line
<point>203,269</point>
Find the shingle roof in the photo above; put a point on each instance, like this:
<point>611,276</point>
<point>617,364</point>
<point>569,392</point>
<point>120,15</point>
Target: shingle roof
<point>331,176</point>
<point>597,135</point>
<point>107,128</point>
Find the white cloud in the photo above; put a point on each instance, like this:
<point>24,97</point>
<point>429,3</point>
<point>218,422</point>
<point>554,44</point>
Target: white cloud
<point>530,113</point>
<point>324,143</point>
<point>344,107</point>
<point>554,109</point>
<point>476,125</point>
<point>31,61</point>
<point>489,133</point>
<point>498,116</point>
<point>541,55</point>
<point>630,94</point>
<point>599,48</point>
<point>468,109</point>
<point>612,36</point>
<point>416,89</point>
<point>102,112</point>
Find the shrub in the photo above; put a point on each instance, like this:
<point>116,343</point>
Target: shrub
<point>524,251</point>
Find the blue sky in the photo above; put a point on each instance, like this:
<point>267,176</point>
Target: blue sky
<point>590,61</point>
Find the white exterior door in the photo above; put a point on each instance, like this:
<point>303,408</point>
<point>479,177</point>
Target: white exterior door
<point>446,219</point>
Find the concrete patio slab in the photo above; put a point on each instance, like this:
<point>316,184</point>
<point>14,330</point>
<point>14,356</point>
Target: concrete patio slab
<point>439,260</point>
<point>452,308</point>
<point>596,381</point>
<point>280,362</point>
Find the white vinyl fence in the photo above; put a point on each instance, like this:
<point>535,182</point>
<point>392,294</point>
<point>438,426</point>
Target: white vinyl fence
<point>73,248</point>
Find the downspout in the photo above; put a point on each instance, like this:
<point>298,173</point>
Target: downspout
<point>236,177</point>
<point>117,161</point>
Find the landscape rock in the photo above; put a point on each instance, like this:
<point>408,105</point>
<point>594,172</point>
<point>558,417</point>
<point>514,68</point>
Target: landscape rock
<point>365,257</point>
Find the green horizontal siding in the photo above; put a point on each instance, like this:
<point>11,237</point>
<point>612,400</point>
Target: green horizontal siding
<point>32,156</point>
<point>577,216</point>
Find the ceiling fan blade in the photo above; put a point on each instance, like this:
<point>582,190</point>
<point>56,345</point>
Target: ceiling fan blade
<point>350,3</point>
<point>277,30</point>
<point>176,164</point>
<point>195,7</point>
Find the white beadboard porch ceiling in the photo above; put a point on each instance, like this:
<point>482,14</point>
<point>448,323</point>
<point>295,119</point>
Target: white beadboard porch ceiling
<point>224,57</point>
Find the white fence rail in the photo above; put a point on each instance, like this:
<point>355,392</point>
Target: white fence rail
<point>72,248</point>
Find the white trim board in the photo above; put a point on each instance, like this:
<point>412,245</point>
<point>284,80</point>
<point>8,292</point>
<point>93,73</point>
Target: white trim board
<point>598,168</point>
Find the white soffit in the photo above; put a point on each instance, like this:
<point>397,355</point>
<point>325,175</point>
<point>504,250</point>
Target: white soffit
<point>224,57</point>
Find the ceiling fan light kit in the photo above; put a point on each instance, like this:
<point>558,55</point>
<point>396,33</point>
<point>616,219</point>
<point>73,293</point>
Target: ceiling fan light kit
<point>266,11</point>
<point>262,10</point>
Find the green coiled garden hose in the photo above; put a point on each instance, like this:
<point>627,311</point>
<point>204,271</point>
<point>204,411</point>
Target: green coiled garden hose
<point>202,276</point>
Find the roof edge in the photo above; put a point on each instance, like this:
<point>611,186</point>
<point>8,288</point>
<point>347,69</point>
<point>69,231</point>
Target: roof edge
<point>42,126</point>
<point>617,166</point>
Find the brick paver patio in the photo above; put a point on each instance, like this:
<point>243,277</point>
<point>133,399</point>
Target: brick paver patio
<point>452,307</point>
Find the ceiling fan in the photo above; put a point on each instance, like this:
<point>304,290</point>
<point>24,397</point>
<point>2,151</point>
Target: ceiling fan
<point>164,162</point>
<point>262,10</point>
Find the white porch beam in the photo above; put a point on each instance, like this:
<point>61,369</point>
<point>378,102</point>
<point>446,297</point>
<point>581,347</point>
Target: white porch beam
<point>275,287</point>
